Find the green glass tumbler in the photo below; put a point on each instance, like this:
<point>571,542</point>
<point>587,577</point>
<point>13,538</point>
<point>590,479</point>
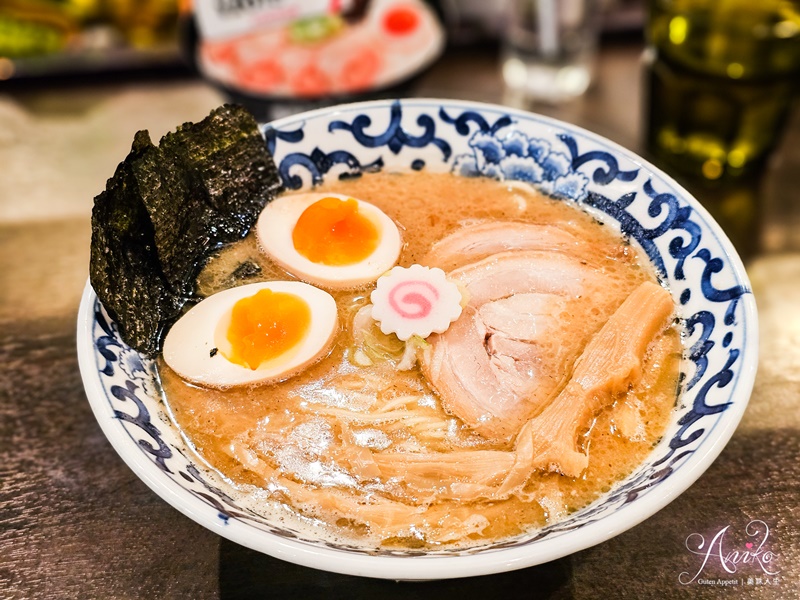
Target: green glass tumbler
<point>721,77</point>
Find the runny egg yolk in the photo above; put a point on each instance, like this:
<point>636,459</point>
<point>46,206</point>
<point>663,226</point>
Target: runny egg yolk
<point>332,232</point>
<point>265,327</point>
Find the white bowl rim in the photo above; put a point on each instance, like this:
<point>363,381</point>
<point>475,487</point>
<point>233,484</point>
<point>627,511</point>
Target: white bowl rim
<point>438,566</point>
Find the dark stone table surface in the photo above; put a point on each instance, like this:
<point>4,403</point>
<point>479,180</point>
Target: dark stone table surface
<point>75,522</point>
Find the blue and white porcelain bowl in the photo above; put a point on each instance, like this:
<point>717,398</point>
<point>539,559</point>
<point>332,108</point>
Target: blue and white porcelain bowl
<point>687,248</point>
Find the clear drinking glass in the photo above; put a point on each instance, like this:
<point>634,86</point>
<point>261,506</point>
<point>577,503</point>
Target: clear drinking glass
<point>549,48</point>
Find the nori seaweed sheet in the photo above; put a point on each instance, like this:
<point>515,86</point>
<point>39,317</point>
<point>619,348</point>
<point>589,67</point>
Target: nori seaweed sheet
<point>166,209</point>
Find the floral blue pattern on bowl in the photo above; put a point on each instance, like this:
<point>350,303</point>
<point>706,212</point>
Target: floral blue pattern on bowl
<point>689,252</point>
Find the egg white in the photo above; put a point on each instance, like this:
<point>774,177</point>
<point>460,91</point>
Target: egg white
<point>274,232</point>
<point>189,344</point>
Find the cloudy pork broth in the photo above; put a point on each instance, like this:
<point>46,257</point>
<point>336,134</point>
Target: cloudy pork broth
<point>406,458</point>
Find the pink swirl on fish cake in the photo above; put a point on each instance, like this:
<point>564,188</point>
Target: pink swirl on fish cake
<point>414,298</point>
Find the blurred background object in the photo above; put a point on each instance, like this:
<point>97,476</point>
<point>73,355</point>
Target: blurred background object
<point>549,46</point>
<point>143,23</point>
<point>46,38</point>
<point>285,56</point>
<point>721,76</point>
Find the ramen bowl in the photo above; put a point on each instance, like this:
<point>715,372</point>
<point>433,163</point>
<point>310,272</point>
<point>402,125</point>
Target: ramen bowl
<point>687,249</point>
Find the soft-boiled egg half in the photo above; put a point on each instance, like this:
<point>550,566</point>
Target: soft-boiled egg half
<point>252,334</point>
<point>331,240</point>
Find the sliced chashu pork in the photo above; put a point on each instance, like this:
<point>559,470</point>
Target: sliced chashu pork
<point>384,517</point>
<point>609,366</point>
<point>475,242</point>
<point>495,366</point>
